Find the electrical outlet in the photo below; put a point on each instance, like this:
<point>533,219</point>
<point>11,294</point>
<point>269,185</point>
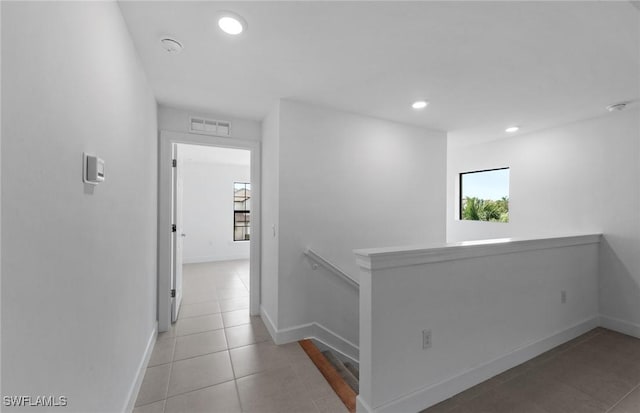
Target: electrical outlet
<point>563,296</point>
<point>426,339</point>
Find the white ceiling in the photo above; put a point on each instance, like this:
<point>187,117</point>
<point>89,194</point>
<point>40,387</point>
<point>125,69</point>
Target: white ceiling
<point>210,154</point>
<point>482,65</point>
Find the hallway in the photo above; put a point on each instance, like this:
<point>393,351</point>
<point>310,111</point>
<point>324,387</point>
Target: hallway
<point>217,358</point>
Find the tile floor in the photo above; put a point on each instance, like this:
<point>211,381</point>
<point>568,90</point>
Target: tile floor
<point>218,359</point>
<point>597,372</point>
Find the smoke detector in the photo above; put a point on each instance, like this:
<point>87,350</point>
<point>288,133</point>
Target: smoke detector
<point>170,45</point>
<point>617,107</point>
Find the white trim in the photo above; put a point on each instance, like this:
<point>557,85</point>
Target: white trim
<point>142,369</point>
<point>394,257</point>
<point>167,139</point>
<point>317,258</point>
<point>268,322</point>
<point>214,258</point>
<point>313,330</point>
<point>336,342</point>
<point>621,326</point>
<point>361,406</point>
<point>429,396</point>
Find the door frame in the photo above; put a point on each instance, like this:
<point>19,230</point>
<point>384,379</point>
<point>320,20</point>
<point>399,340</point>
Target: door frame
<point>166,140</point>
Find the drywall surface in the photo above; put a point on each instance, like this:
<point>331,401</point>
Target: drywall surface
<point>208,212</point>
<point>482,304</point>
<point>177,120</point>
<point>79,262</point>
<point>348,181</point>
<point>582,177</point>
<point>270,214</point>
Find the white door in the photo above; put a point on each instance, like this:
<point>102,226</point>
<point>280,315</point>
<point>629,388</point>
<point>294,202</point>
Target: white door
<point>178,235</point>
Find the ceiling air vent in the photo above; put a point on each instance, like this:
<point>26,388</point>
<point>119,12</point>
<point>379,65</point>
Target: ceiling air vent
<point>209,126</point>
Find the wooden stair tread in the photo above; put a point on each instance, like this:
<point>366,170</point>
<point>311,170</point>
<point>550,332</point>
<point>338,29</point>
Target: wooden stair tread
<point>353,369</point>
<point>345,373</point>
<point>330,373</point>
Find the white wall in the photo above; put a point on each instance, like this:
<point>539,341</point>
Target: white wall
<point>581,177</point>
<point>177,120</point>
<point>208,212</point>
<point>348,181</point>
<point>79,263</point>
<point>270,214</point>
<point>488,307</point>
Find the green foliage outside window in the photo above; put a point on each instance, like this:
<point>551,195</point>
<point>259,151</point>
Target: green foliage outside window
<point>475,209</point>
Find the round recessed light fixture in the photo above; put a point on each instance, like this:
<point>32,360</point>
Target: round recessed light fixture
<point>616,107</point>
<point>171,45</point>
<point>231,23</point>
<point>419,104</point>
<point>512,129</point>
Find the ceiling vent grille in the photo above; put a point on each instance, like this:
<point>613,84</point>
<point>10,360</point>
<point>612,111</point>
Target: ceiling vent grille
<point>204,126</point>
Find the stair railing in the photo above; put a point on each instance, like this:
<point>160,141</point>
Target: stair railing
<point>317,259</point>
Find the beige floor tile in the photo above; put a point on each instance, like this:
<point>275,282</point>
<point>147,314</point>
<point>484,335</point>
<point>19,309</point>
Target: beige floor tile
<point>196,297</point>
<point>314,381</point>
<point>241,303</point>
<point>236,318</point>
<point>157,407</point>
<point>477,390</point>
<point>199,309</point>
<point>498,401</point>
<point>552,396</point>
<point>169,333</point>
<point>443,407</point>
<point>198,324</point>
<point>599,384</point>
<point>622,367</point>
<point>274,391</point>
<point>246,334</point>
<point>162,351</point>
<point>232,293</point>
<point>630,404</point>
<point>199,344</point>
<point>257,357</point>
<point>230,281</point>
<point>199,372</point>
<point>330,404</point>
<point>154,385</point>
<point>221,398</point>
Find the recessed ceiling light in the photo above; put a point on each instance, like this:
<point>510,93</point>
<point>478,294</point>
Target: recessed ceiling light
<point>617,107</point>
<point>512,129</point>
<point>171,45</point>
<point>420,104</point>
<point>231,23</point>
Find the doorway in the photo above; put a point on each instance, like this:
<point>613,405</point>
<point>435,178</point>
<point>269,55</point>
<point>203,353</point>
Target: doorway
<point>209,195</point>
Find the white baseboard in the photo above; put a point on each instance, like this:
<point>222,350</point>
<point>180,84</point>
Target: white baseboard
<point>428,396</point>
<point>214,258</point>
<point>311,330</point>
<point>336,342</point>
<point>268,322</point>
<point>142,369</point>
<point>621,326</point>
<point>361,406</point>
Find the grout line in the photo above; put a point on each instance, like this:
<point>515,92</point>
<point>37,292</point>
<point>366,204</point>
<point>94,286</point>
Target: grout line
<point>199,388</point>
<point>198,332</point>
<point>623,397</point>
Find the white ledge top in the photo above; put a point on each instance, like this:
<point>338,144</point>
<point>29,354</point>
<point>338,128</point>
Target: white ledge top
<point>392,257</point>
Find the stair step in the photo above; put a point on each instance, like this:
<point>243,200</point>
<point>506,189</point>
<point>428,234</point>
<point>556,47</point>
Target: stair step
<point>348,377</point>
<point>353,369</point>
<point>335,380</point>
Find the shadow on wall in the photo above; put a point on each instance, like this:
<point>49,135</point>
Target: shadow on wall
<point>331,301</point>
<point>619,287</point>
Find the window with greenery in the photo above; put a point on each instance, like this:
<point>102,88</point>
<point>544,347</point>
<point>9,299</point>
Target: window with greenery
<point>241,211</point>
<point>484,195</point>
